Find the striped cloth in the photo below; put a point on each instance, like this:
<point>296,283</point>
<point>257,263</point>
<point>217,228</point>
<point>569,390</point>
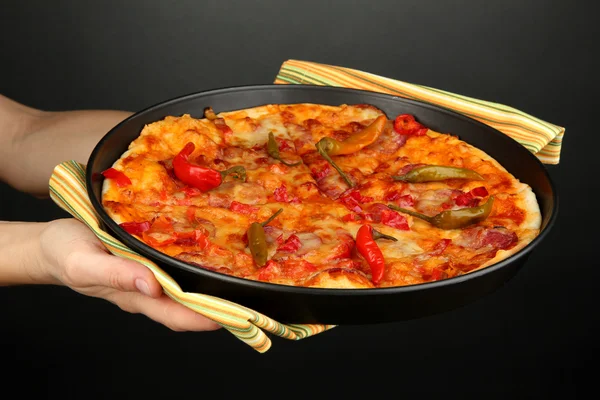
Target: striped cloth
<point>541,138</point>
<point>68,190</point>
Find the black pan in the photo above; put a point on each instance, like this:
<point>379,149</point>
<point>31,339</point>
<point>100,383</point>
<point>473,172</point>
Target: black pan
<point>289,304</point>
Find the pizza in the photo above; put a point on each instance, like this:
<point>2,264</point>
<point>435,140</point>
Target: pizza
<point>316,195</point>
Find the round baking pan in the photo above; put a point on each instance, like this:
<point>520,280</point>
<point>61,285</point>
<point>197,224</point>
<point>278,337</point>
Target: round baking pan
<point>289,304</point>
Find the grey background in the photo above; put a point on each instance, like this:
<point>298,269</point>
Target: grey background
<point>536,337</point>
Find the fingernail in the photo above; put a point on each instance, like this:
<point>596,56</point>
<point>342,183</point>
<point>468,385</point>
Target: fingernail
<point>142,286</point>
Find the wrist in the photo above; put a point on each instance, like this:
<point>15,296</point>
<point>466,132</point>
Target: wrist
<point>23,262</point>
<point>17,122</point>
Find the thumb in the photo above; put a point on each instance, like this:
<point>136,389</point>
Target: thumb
<point>104,269</point>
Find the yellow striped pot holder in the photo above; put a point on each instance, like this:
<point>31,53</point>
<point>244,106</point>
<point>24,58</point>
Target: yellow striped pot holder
<point>541,138</point>
<point>68,190</point>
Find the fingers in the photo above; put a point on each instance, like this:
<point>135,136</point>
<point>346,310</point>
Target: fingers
<point>83,264</point>
<point>98,268</point>
<point>165,311</point>
<point>79,260</point>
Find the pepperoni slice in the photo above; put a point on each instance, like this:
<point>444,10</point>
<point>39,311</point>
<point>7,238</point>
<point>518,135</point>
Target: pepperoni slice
<point>499,238</point>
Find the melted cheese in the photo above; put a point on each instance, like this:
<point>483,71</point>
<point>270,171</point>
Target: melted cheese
<point>311,196</point>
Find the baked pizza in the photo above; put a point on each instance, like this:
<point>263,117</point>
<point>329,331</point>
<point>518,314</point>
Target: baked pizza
<point>321,196</point>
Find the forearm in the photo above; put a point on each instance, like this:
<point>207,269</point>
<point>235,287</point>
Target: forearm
<point>33,142</point>
<point>20,262</point>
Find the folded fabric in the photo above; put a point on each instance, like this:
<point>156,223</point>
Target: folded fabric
<point>68,190</point>
<point>541,138</point>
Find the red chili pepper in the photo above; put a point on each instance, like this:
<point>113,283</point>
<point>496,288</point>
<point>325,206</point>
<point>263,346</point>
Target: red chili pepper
<point>135,228</point>
<point>405,124</point>
<point>201,177</point>
<point>120,178</point>
<point>368,248</point>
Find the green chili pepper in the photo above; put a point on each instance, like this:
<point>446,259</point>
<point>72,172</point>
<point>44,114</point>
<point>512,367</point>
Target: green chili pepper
<point>323,147</point>
<point>257,241</point>
<point>431,173</point>
<point>273,150</point>
<point>379,235</point>
<point>357,141</point>
<point>453,219</point>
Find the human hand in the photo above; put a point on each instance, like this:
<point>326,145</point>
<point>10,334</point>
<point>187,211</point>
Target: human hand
<point>74,257</point>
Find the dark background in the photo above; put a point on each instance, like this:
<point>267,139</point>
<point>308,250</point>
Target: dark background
<point>536,337</point>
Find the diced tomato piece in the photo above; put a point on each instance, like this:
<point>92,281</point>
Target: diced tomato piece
<point>190,214</point>
<point>162,223</point>
<point>352,199</point>
<point>480,191</point>
<point>438,274</point>
<point>351,217</point>
<point>406,124</point>
<point>160,233</point>
<point>392,196</point>
<point>343,249</point>
<point>394,219</point>
<point>358,217</point>
<point>191,191</point>
<point>283,144</point>
<point>279,169</point>
<point>270,271</point>
<point>466,199</point>
<point>291,245</point>
<point>242,208</point>
<point>406,201</point>
<point>158,238</point>
<point>440,247</point>
<point>192,238</point>
<point>321,173</point>
<point>281,194</point>
<point>297,269</point>
<point>446,206</point>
